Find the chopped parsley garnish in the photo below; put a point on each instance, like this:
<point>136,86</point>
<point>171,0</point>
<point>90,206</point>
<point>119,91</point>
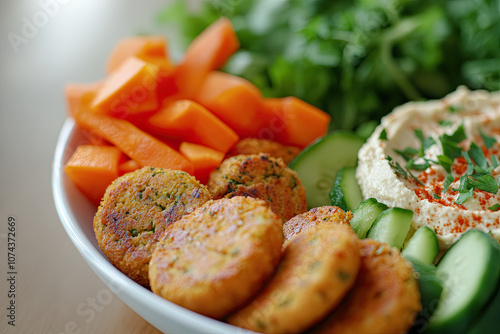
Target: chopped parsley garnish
<point>476,153</point>
<point>477,175</point>
<point>383,135</point>
<point>436,196</point>
<point>494,207</point>
<point>444,122</point>
<point>450,143</point>
<point>448,180</point>
<point>453,108</point>
<point>425,143</point>
<point>488,141</point>
<point>397,167</point>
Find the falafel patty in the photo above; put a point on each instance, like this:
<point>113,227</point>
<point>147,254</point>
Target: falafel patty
<point>260,176</point>
<point>256,146</point>
<point>135,211</point>
<point>318,268</point>
<point>315,216</point>
<point>213,260</point>
<point>385,298</point>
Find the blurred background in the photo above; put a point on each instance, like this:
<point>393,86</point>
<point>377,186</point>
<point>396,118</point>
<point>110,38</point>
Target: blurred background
<point>354,59</point>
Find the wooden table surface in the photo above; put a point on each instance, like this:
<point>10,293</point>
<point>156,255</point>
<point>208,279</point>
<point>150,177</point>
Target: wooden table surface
<point>43,45</point>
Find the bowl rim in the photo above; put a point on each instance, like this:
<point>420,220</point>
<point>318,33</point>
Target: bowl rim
<point>114,279</point>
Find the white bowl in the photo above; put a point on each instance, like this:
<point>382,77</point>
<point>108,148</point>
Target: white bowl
<point>76,214</point>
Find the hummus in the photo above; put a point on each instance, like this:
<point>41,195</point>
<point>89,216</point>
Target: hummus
<point>439,158</point>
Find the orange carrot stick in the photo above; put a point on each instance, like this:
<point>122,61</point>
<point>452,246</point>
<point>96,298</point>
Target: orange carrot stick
<point>128,90</point>
<point>142,47</point>
<point>234,100</point>
<point>136,144</point>
<point>204,159</point>
<point>295,122</point>
<point>128,166</point>
<point>78,94</point>
<point>92,169</point>
<point>208,51</point>
<point>192,122</point>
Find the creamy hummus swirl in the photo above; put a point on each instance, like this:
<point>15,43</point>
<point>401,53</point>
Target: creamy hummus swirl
<point>423,190</point>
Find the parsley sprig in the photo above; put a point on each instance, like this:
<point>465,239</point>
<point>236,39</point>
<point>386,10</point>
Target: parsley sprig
<point>477,176</point>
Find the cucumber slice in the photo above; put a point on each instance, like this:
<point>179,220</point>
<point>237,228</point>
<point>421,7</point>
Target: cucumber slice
<point>391,227</point>
<point>488,321</point>
<point>430,287</point>
<point>318,164</point>
<point>422,246</point>
<point>365,214</point>
<point>470,271</point>
<point>346,193</point>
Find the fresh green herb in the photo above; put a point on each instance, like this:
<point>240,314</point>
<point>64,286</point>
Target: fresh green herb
<point>450,143</point>
<point>485,183</point>
<point>494,161</point>
<point>425,143</point>
<point>415,178</point>
<point>470,164</point>
<point>476,153</point>
<point>494,207</point>
<point>408,153</point>
<point>445,162</point>
<point>354,59</point>
<point>397,167</point>
<point>383,135</point>
<point>444,122</point>
<point>464,196</point>
<point>448,180</point>
<point>436,196</point>
<point>453,108</point>
<point>134,232</point>
<point>417,166</point>
<point>488,141</point>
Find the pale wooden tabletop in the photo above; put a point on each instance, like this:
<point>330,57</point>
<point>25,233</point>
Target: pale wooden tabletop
<point>43,45</point>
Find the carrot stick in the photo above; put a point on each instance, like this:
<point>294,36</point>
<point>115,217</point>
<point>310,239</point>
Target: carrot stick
<point>204,159</point>
<point>92,169</point>
<point>129,89</point>
<point>234,100</point>
<point>208,51</point>
<point>78,94</point>
<point>191,122</point>
<point>136,144</point>
<point>128,166</point>
<point>142,47</point>
<point>295,122</point>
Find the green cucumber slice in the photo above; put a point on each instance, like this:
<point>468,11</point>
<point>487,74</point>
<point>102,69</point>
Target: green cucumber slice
<point>470,271</point>
<point>430,287</point>
<point>391,227</point>
<point>318,164</point>
<point>365,214</point>
<point>346,193</point>
<point>423,245</point>
<point>488,321</point>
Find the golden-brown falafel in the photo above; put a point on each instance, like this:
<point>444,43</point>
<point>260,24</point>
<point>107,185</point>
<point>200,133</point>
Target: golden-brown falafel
<point>135,211</point>
<point>315,216</point>
<point>256,146</point>
<point>260,176</point>
<point>318,268</point>
<point>384,299</point>
<point>214,259</point>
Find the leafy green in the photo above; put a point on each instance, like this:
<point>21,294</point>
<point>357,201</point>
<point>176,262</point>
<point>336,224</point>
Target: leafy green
<point>488,141</point>
<point>357,59</point>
